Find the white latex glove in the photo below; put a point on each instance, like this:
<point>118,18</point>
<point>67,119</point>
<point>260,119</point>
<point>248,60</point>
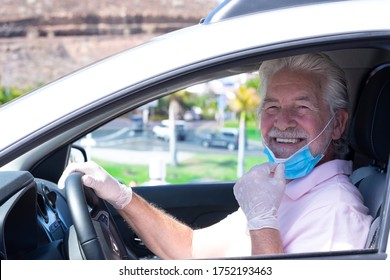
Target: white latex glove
<point>259,193</point>
<point>105,186</point>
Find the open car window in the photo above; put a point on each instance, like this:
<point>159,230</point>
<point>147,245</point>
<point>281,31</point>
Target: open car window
<point>140,148</point>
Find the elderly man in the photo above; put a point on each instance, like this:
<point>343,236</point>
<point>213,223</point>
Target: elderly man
<point>301,200</point>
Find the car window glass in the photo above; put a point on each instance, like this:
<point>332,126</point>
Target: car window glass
<point>137,147</point>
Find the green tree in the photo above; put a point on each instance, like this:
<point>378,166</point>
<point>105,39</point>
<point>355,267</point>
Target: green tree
<point>245,102</point>
<point>9,93</point>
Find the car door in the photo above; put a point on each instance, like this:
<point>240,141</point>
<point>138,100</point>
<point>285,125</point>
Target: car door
<point>197,189</point>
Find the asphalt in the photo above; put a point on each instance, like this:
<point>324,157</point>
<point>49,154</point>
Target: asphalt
<point>116,142</point>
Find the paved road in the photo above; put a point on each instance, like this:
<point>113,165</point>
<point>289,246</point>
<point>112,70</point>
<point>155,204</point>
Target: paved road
<point>118,142</point>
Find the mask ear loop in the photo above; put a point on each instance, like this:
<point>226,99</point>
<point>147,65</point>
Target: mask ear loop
<point>322,131</point>
<point>308,144</point>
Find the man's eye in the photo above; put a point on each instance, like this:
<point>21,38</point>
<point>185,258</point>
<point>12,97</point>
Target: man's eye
<point>271,109</point>
<point>302,107</point>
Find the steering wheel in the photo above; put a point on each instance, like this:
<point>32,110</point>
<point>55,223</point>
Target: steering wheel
<point>95,228</point>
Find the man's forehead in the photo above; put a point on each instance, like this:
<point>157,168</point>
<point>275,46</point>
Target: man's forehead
<point>275,98</point>
<point>297,80</point>
<point>293,97</point>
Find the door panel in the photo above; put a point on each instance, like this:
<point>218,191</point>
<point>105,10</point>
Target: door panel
<point>197,205</point>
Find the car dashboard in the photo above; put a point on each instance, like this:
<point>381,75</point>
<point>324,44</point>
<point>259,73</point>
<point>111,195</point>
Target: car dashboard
<point>34,218</point>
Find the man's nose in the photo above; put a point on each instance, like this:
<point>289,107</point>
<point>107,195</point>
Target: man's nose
<point>284,119</point>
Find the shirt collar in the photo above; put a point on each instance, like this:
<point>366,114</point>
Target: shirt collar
<point>298,187</point>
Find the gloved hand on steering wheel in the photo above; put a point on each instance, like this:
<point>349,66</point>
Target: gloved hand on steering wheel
<point>105,186</point>
<point>259,193</point>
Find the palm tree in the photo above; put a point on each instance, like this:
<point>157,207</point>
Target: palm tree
<point>246,100</point>
<point>176,104</point>
<point>173,108</point>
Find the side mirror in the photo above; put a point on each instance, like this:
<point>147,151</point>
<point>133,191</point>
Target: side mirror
<point>78,154</point>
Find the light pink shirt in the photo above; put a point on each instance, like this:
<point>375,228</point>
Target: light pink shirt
<point>323,211</point>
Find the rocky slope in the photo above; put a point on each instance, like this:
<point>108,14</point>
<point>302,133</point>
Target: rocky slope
<point>41,40</point>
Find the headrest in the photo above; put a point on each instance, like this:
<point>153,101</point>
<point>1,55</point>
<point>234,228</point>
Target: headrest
<point>370,126</point>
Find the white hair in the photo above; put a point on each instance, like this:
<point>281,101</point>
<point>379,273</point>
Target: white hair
<point>332,79</point>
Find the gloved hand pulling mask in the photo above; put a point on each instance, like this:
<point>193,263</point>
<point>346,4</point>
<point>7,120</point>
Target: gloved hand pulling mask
<point>259,193</point>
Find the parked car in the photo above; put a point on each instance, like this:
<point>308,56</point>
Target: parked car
<point>162,131</point>
<point>39,221</point>
<point>225,137</point>
<point>136,123</point>
<point>192,115</point>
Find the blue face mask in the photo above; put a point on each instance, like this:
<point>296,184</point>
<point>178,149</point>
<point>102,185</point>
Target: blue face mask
<point>301,162</point>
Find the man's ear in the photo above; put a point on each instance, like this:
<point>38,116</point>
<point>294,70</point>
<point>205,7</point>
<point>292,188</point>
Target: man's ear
<point>341,119</point>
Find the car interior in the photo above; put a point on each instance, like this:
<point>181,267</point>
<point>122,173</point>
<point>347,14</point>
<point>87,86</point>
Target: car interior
<point>369,134</point>
<point>37,218</point>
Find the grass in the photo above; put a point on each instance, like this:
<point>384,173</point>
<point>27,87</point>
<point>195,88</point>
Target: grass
<point>198,167</point>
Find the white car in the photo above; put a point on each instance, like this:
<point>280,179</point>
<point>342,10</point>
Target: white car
<point>162,131</point>
<point>39,130</point>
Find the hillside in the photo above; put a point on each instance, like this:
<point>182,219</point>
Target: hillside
<point>41,40</point>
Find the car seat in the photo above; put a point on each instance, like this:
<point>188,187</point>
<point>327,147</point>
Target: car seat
<point>370,137</point>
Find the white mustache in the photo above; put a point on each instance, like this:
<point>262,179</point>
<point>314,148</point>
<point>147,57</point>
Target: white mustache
<point>289,133</point>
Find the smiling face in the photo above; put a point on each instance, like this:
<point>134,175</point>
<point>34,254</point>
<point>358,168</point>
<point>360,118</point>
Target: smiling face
<point>294,112</point>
